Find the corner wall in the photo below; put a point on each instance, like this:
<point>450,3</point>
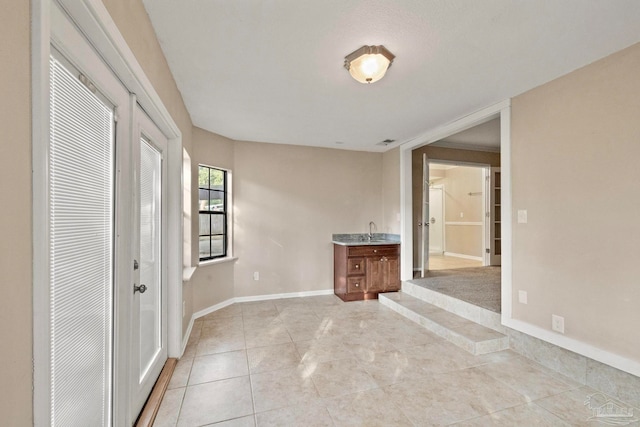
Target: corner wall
<point>289,200</point>
<point>577,256</point>
<point>211,284</point>
<point>391,191</point>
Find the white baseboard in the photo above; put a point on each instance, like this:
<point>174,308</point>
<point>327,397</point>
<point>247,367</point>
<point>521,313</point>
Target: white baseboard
<point>213,308</point>
<point>267,297</point>
<point>619,362</point>
<point>223,304</point>
<point>198,314</point>
<point>185,337</point>
<point>287,295</point>
<point>453,254</point>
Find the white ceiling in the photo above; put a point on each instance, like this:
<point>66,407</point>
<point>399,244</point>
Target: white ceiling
<point>272,71</point>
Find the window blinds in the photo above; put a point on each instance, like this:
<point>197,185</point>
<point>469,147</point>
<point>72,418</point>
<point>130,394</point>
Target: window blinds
<point>81,187</point>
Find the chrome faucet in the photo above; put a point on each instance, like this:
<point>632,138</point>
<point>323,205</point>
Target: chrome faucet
<point>372,225</point>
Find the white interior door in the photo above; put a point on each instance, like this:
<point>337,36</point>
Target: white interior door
<point>436,219</point>
<point>424,220</point>
<point>149,317</point>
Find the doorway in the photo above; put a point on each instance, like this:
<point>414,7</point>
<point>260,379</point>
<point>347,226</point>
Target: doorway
<point>470,179</point>
<point>102,174</point>
<point>457,221</point>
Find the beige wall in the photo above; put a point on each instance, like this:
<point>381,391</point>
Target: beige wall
<point>133,22</point>
<point>458,183</point>
<point>439,153</point>
<point>464,240</point>
<point>15,228</point>
<point>212,284</point>
<point>289,200</point>
<point>391,192</point>
<point>577,256</point>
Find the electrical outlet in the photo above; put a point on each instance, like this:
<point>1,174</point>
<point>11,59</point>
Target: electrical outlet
<point>522,216</point>
<point>461,214</point>
<point>522,297</point>
<point>557,323</point>
<point>256,275</point>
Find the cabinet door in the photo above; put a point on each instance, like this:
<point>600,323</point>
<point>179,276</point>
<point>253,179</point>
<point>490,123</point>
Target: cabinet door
<point>376,274</point>
<point>392,274</point>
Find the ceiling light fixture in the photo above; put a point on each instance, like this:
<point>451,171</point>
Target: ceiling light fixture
<point>369,63</point>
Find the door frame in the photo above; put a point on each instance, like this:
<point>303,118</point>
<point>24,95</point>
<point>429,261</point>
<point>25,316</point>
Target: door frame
<point>424,215</point>
<point>501,110</point>
<point>99,29</point>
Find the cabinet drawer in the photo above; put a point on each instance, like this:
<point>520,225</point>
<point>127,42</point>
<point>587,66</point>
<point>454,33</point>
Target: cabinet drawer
<point>355,284</point>
<point>355,266</point>
<point>374,250</point>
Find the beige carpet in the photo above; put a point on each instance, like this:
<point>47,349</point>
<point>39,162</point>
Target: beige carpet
<point>476,285</point>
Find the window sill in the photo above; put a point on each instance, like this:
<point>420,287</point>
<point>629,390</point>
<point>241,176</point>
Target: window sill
<point>217,261</point>
<point>187,273</point>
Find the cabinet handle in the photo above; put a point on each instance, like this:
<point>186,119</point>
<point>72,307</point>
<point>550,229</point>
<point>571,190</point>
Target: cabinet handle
<point>375,251</point>
<point>357,266</point>
<point>357,285</point>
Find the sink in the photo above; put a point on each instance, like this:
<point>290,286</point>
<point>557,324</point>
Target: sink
<point>363,239</point>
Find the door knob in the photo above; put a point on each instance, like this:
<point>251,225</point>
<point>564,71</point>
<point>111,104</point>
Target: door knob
<point>142,289</point>
<point>419,224</point>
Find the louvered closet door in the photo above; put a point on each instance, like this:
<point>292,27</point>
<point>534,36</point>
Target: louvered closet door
<point>81,250</point>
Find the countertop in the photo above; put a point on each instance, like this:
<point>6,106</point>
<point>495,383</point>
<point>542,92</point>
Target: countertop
<point>362,239</point>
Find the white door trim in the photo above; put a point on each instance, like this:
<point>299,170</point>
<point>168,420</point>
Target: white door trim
<point>93,19</point>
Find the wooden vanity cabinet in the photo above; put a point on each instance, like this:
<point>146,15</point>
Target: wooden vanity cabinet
<point>361,272</point>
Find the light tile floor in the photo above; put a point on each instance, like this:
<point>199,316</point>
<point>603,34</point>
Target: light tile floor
<point>317,361</point>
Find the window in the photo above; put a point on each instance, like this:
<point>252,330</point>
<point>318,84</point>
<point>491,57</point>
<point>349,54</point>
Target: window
<point>213,202</point>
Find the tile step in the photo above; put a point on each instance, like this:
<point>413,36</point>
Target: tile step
<point>464,333</point>
<point>482,316</point>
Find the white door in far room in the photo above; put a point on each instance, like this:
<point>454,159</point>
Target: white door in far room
<point>436,219</point>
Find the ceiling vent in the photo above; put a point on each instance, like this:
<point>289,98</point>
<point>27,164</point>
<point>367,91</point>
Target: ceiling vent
<point>386,142</point>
